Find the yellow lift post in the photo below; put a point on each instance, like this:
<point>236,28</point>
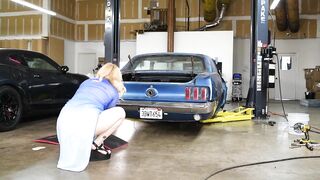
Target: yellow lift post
<point>238,114</point>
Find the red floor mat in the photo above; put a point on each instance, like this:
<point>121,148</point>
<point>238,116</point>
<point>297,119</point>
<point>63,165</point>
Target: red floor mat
<point>112,142</point>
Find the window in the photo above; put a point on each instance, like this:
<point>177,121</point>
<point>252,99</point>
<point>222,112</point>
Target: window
<point>17,60</point>
<point>169,63</point>
<point>285,63</point>
<point>34,62</point>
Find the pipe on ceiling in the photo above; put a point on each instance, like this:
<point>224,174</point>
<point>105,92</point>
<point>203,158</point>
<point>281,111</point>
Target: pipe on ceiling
<point>281,16</point>
<point>287,15</point>
<point>209,10</point>
<point>293,15</point>
<point>221,2</point>
<point>222,7</point>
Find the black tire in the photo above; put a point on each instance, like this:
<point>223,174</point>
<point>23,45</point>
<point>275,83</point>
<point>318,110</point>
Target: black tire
<point>10,108</point>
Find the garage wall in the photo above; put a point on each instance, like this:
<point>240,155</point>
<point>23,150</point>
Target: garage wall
<point>38,45</point>
<point>217,45</point>
<point>63,29</point>
<point>7,6</point>
<point>76,48</point>
<point>56,50</point>
<point>20,25</point>
<point>83,20</point>
<point>305,45</point>
<point>66,8</point>
<point>82,26</point>
<point>306,50</point>
<point>90,14</point>
<point>19,21</point>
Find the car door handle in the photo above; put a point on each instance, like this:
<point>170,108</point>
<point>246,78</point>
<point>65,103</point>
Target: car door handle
<point>36,76</point>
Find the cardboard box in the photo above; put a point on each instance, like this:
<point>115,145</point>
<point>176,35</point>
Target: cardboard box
<point>316,86</point>
<point>315,75</point>
<point>309,84</point>
<point>308,72</point>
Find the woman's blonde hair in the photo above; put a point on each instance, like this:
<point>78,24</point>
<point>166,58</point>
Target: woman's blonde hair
<point>112,73</point>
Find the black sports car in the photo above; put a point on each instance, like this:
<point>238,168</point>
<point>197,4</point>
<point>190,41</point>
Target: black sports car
<point>30,82</point>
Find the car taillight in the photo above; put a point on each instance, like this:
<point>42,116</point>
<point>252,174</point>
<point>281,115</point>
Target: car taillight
<point>203,93</point>
<point>196,93</point>
<point>188,93</point>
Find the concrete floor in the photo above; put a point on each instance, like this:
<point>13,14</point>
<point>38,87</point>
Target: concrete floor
<point>171,151</point>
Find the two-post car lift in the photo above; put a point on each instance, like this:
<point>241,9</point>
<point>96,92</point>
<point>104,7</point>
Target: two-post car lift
<point>112,31</point>
<point>261,55</point>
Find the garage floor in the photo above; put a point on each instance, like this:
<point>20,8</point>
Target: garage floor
<point>171,151</point>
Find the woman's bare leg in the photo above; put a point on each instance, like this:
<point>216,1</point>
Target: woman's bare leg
<point>108,122</point>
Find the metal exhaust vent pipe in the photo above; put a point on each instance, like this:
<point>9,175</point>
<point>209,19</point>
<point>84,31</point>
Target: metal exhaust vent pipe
<point>222,6</point>
<point>293,15</point>
<point>281,16</point>
<point>287,15</point>
<point>209,10</point>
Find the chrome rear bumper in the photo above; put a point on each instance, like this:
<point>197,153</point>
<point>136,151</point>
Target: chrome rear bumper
<point>171,107</point>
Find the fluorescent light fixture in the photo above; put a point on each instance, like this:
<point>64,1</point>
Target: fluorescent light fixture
<point>274,4</point>
<point>32,6</point>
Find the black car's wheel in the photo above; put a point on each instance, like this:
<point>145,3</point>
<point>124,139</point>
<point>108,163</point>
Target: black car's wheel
<point>10,108</point>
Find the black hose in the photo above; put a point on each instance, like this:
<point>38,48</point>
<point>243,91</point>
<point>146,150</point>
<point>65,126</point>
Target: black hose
<point>273,29</point>
<point>258,163</point>
<point>317,132</point>
<point>280,90</point>
<point>316,128</point>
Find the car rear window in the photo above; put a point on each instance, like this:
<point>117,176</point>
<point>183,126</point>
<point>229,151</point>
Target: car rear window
<point>169,63</point>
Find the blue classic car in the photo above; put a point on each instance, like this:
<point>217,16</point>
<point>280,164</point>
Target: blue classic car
<point>172,87</point>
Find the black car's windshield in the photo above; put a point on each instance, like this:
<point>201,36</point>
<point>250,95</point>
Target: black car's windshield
<point>168,63</point>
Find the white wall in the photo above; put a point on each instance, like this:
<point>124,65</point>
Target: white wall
<point>70,55</point>
<point>307,51</point>
<point>216,44</point>
<point>73,49</point>
<point>308,56</point>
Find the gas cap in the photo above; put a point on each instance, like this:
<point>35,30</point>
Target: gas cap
<point>151,92</point>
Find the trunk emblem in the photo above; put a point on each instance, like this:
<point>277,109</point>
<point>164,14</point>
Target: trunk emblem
<point>151,92</point>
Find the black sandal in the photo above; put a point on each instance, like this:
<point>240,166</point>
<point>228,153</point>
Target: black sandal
<point>97,155</point>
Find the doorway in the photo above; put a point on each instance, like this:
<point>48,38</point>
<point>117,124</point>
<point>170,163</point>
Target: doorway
<point>288,72</point>
<point>86,63</point>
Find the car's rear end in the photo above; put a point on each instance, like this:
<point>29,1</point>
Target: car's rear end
<point>168,88</point>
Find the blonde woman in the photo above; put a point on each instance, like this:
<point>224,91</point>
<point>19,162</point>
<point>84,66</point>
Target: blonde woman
<point>89,118</point>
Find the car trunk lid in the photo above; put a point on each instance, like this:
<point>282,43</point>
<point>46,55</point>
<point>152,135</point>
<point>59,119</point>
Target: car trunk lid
<point>165,92</point>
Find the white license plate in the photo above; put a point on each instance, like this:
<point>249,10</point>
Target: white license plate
<point>150,113</point>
